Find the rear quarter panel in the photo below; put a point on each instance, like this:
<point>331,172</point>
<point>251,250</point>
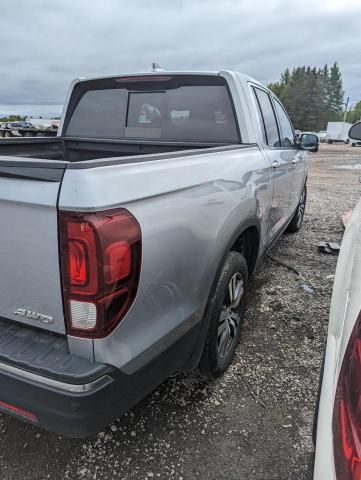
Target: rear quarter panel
<point>189,209</point>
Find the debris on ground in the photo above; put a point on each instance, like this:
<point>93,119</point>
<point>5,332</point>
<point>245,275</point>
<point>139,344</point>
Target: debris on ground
<point>307,288</point>
<point>331,248</point>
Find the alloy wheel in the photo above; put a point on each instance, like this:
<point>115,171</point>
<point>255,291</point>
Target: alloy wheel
<point>230,317</point>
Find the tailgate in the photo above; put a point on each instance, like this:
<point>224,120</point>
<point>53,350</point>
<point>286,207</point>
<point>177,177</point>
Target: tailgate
<point>30,289</point>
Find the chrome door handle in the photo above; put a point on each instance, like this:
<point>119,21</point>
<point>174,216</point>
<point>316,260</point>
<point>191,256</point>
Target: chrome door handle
<point>276,164</point>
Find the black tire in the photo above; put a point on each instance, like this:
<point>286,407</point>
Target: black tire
<point>297,219</point>
<point>225,322</point>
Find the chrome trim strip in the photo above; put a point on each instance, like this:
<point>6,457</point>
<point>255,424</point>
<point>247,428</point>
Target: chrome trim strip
<point>57,384</point>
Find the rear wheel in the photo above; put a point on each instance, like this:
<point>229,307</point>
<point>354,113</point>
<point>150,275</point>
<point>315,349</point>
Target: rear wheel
<point>226,317</point>
<point>297,219</point>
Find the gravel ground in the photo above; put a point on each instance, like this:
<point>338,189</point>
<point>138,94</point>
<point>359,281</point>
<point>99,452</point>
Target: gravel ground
<point>256,421</point>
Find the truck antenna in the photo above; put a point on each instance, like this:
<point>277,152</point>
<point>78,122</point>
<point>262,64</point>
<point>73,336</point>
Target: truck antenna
<point>157,68</point>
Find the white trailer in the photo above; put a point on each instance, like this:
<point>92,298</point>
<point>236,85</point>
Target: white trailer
<point>338,132</point>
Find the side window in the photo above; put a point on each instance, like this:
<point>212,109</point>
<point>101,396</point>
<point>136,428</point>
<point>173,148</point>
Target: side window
<point>287,133</point>
<point>268,118</point>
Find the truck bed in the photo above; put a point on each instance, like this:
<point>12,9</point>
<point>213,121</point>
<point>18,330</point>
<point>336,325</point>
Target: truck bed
<point>77,150</point>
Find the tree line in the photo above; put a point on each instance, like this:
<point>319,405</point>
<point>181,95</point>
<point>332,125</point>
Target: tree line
<point>314,96</point>
<point>12,118</point>
<point>354,115</point>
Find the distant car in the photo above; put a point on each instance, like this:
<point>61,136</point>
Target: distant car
<point>322,136</point>
<point>338,432</point>
<point>16,129</point>
<point>14,125</point>
<point>25,129</point>
<point>311,133</point>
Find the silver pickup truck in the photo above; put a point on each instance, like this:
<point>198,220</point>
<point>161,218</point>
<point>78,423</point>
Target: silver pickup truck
<point>127,241</point>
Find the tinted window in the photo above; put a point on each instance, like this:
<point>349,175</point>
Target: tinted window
<point>268,118</point>
<point>99,113</point>
<point>185,113</point>
<point>145,115</point>
<point>287,133</point>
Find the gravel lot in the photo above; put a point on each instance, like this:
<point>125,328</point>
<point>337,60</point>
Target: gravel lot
<point>256,421</point>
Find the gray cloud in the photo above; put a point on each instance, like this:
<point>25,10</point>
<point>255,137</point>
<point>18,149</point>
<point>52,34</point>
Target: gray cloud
<point>46,44</point>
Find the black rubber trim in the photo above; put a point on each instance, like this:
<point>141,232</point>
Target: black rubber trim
<point>160,156</point>
<point>25,140</point>
<point>45,354</point>
<point>33,172</point>
<point>85,413</point>
<point>72,414</point>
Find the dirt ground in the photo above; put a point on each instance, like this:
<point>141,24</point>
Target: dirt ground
<point>256,421</point>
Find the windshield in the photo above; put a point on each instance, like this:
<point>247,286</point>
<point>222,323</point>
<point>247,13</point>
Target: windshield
<point>175,109</point>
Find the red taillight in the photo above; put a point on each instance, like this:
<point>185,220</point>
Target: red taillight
<point>144,78</point>
<point>100,265</point>
<point>347,411</point>
<point>77,263</point>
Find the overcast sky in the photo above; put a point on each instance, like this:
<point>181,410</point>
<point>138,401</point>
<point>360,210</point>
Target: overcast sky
<point>47,43</point>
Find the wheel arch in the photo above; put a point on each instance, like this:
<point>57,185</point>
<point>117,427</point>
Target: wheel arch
<point>246,239</point>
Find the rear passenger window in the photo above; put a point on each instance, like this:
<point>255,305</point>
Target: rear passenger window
<point>268,118</point>
<point>287,133</point>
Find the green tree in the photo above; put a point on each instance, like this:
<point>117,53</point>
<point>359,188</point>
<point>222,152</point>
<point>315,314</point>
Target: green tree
<point>354,115</point>
<point>12,118</point>
<point>312,96</point>
<point>336,94</point>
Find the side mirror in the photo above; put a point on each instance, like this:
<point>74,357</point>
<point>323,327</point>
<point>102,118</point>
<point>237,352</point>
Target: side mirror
<point>355,131</point>
<point>308,142</point>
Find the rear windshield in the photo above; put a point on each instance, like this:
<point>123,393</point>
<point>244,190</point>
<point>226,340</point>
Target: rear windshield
<point>170,108</point>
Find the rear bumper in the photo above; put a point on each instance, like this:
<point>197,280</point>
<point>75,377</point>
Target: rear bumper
<point>40,382</point>
<point>73,410</point>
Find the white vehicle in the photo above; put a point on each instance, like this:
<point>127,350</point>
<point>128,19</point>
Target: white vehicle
<point>338,132</point>
<point>338,444</point>
<point>44,123</point>
<point>322,136</point>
